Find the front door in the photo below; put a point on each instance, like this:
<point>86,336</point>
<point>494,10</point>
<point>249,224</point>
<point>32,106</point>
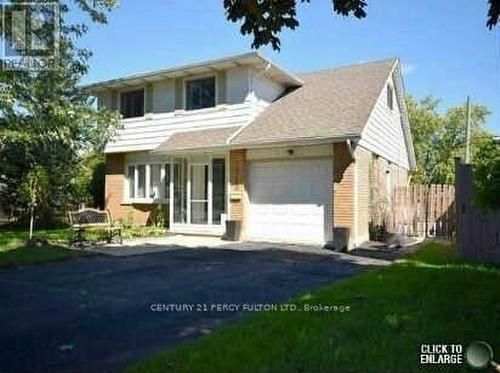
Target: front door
<point>199,191</point>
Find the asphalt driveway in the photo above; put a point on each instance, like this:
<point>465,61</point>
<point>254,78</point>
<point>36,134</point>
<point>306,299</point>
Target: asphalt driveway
<point>101,313</point>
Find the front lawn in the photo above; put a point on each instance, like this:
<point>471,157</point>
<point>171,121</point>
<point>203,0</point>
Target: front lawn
<point>430,298</point>
<point>14,238</point>
<point>26,255</point>
<point>14,252</point>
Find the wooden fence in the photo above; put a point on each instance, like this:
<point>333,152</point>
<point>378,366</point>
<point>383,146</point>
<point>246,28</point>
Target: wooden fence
<point>423,210</point>
<point>478,232</point>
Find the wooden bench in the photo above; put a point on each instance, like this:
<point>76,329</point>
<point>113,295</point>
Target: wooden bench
<point>87,219</point>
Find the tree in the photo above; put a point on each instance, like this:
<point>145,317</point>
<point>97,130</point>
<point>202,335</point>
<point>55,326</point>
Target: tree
<point>34,191</point>
<point>440,137</point>
<point>486,170</point>
<point>89,183</point>
<point>265,19</point>
<point>47,120</point>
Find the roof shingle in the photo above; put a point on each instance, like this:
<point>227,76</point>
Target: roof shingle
<point>331,104</point>
<point>193,140</point>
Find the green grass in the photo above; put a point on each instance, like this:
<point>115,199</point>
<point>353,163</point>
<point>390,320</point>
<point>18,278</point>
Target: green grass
<point>432,297</point>
<point>23,256</point>
<point>14,252</point>
<point>15,238</point>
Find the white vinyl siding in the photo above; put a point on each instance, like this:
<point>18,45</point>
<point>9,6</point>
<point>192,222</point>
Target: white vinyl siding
<point>238,87</point>
<point>147,134</point>
<point>265,89</point>
<point>164,96</point>
<point>104,99</point>
<point>383,134</point>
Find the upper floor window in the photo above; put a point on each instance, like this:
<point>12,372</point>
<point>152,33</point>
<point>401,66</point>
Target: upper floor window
<point>390,97</point>
<point>200,93</point>
<point>132,104</point>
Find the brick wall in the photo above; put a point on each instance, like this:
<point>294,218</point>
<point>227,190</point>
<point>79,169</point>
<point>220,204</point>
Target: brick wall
<point>343,197</point>
<point>237,175</point>
<point>137,214</point>
<point>363,159</point>
<point>362,192</point>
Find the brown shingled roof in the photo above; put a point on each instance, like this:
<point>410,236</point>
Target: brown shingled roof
<point>191,140</point>
<point>331,104</point>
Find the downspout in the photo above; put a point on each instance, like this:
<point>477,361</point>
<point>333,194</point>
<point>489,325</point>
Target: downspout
<point>350,147</point>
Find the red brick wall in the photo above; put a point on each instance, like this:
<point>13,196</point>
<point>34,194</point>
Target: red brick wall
<point>363,159</point>
<point>237,175</point>
<point>343,194</point>
<point>137,214</point>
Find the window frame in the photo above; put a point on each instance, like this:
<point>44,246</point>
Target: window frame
<point>120,101</point>
<point>200,77</point>
<point>170,200</point>
<point>162,199</point>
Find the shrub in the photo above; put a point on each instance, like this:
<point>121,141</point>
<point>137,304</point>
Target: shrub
<point>486,171</point>
<point>378,232</point>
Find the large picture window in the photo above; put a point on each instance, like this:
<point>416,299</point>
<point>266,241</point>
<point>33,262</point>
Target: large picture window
<point>200,93</point>
<point>148,182</point>
<point>132,103</point>
<point>155,181</point>
<point>195,187</point>
<point>141,182</point>
<point>131,181</point>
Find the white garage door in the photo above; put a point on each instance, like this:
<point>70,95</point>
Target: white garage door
<point>290,201</point>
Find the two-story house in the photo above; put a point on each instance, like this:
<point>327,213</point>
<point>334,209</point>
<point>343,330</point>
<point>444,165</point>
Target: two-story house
<point>294,158</point>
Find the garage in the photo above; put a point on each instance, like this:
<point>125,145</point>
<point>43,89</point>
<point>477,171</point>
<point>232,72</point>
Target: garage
<point>290,201</point>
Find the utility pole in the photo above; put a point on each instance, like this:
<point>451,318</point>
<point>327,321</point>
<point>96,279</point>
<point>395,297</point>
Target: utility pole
<point>467,132</point>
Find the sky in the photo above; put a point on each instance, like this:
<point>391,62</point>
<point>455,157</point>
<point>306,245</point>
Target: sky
<point>444,46</point>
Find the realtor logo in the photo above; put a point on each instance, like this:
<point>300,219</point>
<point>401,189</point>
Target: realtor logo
<point>30,35</point>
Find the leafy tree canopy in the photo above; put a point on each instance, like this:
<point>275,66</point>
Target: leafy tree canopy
<point>48,121</point>
<point>486,169</point>
<point>439,137</point>
<point>265,19</point>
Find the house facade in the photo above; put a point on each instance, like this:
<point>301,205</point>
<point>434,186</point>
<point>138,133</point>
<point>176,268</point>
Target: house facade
<point>304,158</point>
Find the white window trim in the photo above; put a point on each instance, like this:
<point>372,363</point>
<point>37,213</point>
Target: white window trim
<point>198,77</point>
<point>146,200</point>
<point>208,201</point>
<point>163,200</point>
<point>171,195</point>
